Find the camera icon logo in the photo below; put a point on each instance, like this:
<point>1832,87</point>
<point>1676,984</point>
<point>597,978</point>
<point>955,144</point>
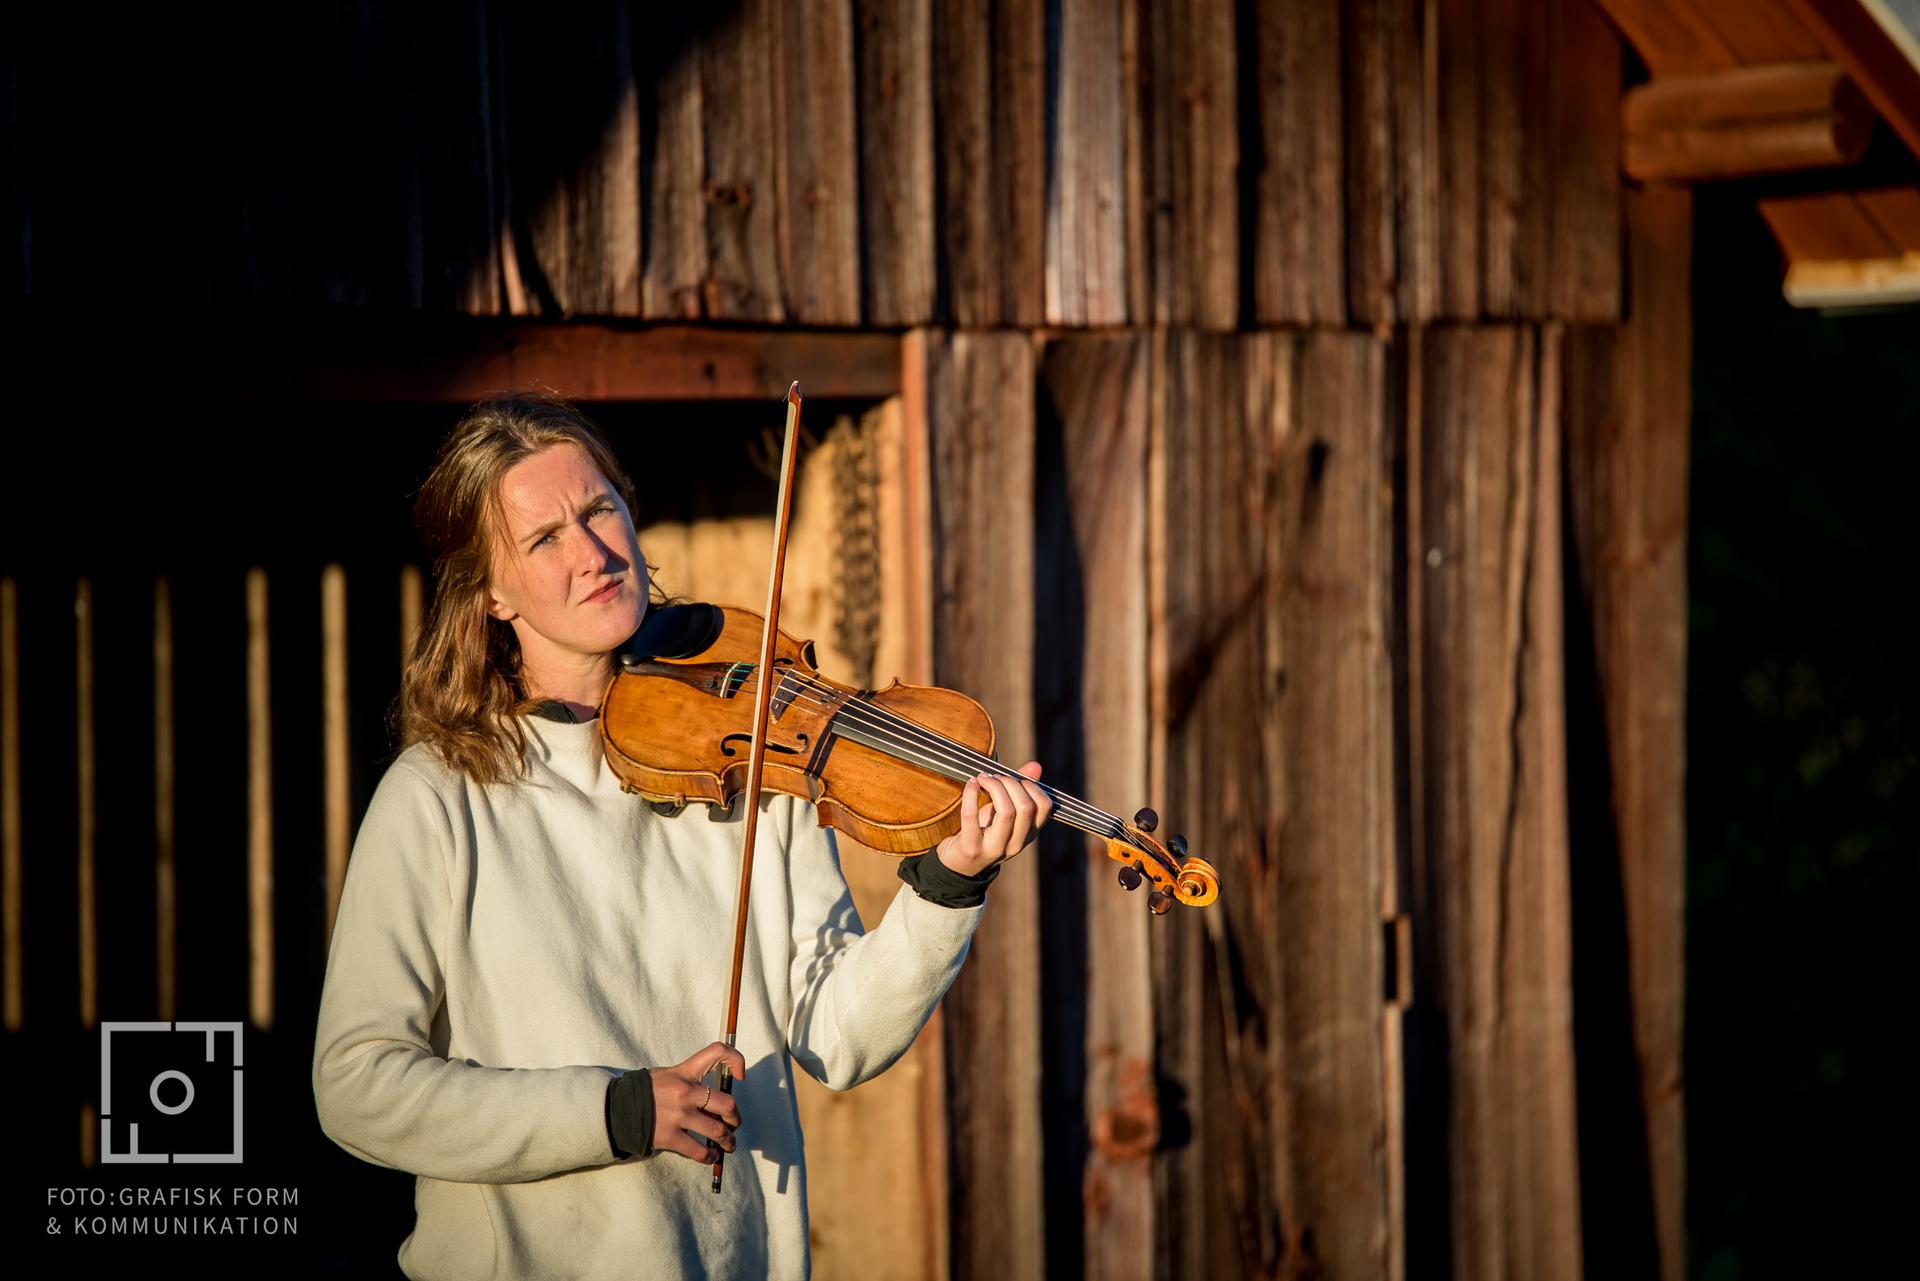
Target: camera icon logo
<point>165,1072</point>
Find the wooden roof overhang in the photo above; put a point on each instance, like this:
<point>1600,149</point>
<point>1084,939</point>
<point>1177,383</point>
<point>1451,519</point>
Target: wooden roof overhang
<point>1750,88</point>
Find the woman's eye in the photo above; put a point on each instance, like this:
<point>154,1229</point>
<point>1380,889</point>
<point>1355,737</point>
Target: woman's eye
<point>542,541</point>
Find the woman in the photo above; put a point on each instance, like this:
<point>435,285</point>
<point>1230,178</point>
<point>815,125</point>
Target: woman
<point>527,967</point>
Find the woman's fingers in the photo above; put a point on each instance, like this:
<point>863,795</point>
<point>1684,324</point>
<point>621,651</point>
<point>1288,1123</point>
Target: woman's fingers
<point>970,810</point>
<point>1042,800</point>
<point>687,1146</point>
<point>690,1107</point>
<point>722,1106</point>
<point>709,1126</point>
<point>702,1063</point>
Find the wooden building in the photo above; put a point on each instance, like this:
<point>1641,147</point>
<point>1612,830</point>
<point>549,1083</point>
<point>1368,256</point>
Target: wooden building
<point>1274,411</point>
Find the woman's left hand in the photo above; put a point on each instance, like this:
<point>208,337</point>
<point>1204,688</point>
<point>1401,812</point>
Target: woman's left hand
<point>1019,810</point>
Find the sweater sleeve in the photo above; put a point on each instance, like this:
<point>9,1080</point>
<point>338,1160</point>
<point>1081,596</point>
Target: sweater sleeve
<point>860,999</point>
<point>382,1091</point>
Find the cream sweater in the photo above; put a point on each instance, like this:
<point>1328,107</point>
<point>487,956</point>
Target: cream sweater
<point>501,953</point>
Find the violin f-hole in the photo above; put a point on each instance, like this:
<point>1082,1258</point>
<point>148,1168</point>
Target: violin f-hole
<point>726,745</point>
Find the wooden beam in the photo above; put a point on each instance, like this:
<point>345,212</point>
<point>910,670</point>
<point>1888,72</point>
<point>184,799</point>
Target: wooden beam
<point>1750,120</point>
<point>1758,31</point>
<point>1885,72</point>
<point>459,362</point>
<point>1849,248</point>
<point>1828,226</point>
<point>1673,39</point>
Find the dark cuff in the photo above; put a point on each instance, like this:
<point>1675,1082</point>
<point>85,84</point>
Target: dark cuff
<point>630,1114</point>
<point>935,882</point>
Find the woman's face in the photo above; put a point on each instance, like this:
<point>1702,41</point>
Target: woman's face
<point>567,570</point>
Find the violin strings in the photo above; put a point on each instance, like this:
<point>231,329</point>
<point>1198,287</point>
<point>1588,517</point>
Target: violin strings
<point>948,751</point>
<point>936,749</point>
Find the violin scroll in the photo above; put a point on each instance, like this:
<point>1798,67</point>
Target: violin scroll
<point>1175,876</point>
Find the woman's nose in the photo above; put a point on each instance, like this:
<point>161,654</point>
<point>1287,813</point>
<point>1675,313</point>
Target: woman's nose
<point>593,552</point>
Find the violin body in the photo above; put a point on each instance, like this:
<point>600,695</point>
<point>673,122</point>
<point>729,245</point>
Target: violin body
<point>678,729</point>
<point>887,767</point>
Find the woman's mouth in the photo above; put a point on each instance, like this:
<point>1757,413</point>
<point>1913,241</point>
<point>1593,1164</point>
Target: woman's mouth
<point>604,592</point>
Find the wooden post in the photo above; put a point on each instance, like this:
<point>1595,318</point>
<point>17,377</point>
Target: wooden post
<point>1093,515</point>
<point>980,415</point>
<point>338,829</point>
<point>1628,415</point>
<point>1491,858</point>
<point>259,807</point>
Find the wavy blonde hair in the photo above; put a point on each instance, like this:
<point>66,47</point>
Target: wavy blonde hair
<point>461,694</point>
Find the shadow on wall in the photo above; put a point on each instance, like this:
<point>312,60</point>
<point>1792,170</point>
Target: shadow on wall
<point>359,154</point>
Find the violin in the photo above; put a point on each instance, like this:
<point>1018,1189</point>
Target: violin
<point>887,767</point>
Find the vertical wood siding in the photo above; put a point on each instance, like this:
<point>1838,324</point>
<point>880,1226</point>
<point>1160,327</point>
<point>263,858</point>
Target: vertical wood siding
<point>981,163</point>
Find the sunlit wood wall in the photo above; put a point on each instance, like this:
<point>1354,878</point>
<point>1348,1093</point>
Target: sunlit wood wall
<point>1289,393</point>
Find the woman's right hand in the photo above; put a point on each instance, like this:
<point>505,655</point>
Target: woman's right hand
<point>686,1098</point>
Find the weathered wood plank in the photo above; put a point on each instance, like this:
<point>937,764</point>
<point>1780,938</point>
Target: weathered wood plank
<point>673,165</point>
<point>980,416</point>
<point>1517,164</point>
<point>1212,1185</point>
<point>894,47</point>
<point>741,191</point>
<point>1280,739</point>
<point>1091,674</point>
<point>572,160</point>
<point>1627,416</point>
<point>989,67</point>
<point>1086,262</point>
<point>817,168</point>
<point>1391,250</point>
<point>1299,249</point>
<point>1491,852</point>
<point>1331,728</point>
<point>1457,130</point>
<point>1200,91</point>
<point>1583,266</point>
<point>1525,136</point>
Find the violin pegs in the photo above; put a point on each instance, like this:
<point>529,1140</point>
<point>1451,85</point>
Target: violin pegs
<point>1130,876</point>
<point>1178,845</point>
<point>1159,902</point>
<point>1145,819</point>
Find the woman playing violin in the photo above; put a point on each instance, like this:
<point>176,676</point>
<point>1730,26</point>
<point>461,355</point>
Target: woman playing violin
<point>528,962</point>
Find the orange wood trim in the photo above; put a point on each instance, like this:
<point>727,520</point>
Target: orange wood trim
<point>1883,71</point>
<point>451,362</point>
